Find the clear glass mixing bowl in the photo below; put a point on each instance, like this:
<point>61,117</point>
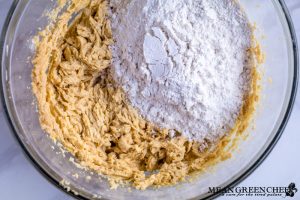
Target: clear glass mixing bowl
<point>274,32</point>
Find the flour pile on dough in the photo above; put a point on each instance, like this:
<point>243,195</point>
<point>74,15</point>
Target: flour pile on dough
<point>184,65</point>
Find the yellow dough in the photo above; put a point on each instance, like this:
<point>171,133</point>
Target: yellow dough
<point>81,107</point>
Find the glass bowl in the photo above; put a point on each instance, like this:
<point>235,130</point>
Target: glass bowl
<point>276,35</point>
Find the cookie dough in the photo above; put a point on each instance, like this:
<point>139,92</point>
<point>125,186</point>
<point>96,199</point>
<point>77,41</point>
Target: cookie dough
<point>81,107</point>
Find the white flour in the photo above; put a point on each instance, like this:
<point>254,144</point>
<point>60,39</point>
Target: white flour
<point>182,63</point>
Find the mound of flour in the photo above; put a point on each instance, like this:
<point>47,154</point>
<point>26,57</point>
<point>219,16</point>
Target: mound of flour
<point>183,63</point>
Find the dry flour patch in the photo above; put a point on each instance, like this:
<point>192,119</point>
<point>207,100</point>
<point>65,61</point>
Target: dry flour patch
<point>183,64</point>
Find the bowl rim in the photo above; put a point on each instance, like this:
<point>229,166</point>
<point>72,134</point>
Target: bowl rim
<point>236,180</point>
